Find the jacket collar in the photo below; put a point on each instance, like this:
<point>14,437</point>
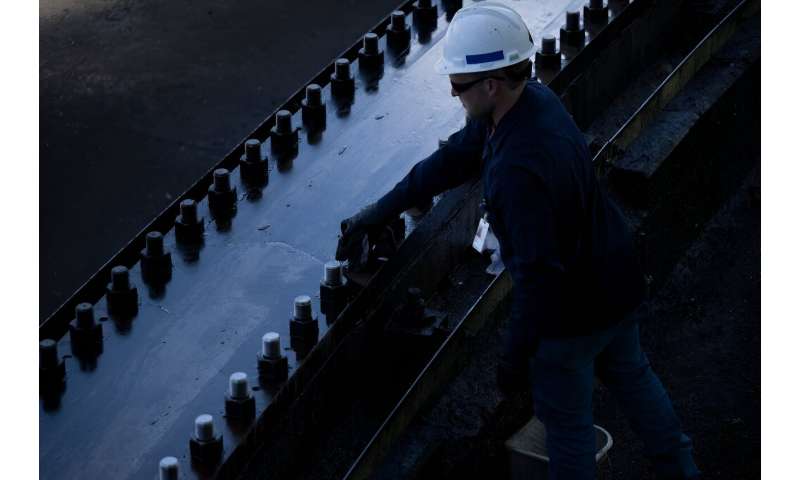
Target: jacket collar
<point>507,123</point>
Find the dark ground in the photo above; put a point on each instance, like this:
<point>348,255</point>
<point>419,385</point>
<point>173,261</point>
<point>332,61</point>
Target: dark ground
<point>139,98</point>
<point>703,341</point>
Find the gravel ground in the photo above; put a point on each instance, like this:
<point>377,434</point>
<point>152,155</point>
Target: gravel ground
<point>703,340</point>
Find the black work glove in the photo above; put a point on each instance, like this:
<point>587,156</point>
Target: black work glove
<point>512,376</point>
<point>356,233</point>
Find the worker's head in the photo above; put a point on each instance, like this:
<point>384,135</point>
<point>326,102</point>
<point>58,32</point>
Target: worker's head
<point>486,53</point>
<point>481,92</point>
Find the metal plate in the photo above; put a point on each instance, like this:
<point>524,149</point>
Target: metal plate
<point>137,401</point>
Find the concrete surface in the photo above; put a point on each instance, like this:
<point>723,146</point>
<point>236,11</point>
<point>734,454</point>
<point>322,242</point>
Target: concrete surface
<point>140,98</point>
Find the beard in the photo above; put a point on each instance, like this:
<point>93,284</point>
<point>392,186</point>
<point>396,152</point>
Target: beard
<point>484,114</point>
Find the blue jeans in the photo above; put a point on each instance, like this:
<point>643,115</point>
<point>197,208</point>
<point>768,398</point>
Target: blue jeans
<point>563,374</point>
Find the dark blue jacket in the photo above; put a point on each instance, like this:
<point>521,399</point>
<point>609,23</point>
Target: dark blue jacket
<point>566,245</point>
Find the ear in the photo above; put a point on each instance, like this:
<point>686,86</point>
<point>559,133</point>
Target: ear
<point>492,87</point>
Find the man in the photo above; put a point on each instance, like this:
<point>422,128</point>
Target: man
<point>567,247</point>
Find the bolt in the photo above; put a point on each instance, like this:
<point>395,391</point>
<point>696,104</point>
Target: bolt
<point>371,44</point>
<point>271,345</point>
<point>204,428</point>
<point>272,366</point>
<point>121,298</point>
<point>595,13</point>
<point>120,278</point>
<point>252,150</point>
<point>84,313</point>
<point>573,20</point>
<point>333,273</point>
<point>222,180</point>
<point>168,468</point>
<point>573,36</point>
<point>549,44</point>
<point>48,353</point>
<point>398,20</point>
<point>302,308</point>
<point>189,212</point>
<point>313,111</point>
<point>237,387</point>
<point>154,243</point>
<point>283,122</point>
<point>342,69</point>
<point>314,95</point>
<point>205,446</point>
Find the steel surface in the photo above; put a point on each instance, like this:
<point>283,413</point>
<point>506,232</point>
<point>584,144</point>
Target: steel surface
<point>136,402</point>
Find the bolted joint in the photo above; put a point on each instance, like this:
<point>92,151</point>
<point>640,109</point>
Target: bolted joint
<point>205,446</point>
<point>548,56</point>
<point>425,13</point>
<point>303,327</point>
<point>221,194</point>
<point>343,83</point>
<point>240,403</point>
<point>51,368</point>
<point>314,112</point>
<point>85,334</point>
<point>573,34</point>
<point>122,298</point>
<point>156,260</point>
<point>398,35</point>
<point>253,166</point>
<point>273,366</point>
<point>333,290</point>
<point>284,136</point>
<point>370,55</point>
<point>596,12</point>
<point>188,226</point>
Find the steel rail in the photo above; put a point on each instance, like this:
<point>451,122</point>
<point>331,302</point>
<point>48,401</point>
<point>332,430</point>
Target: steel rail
<point>710,44</point>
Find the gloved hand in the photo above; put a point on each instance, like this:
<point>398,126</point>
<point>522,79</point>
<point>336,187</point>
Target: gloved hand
<point>354,242</point>
<point>512,376</point>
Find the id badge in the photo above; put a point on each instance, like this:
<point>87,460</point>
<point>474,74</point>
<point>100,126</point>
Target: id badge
<point>481,236</point>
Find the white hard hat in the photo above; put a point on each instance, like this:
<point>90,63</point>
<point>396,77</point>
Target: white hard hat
<point>483,37</point>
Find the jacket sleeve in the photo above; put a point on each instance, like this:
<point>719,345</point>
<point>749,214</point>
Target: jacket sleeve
<point>446,168</point>
<point>524,207</point>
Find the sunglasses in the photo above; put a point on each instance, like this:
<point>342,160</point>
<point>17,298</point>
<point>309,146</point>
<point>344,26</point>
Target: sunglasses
<point>463,87</point>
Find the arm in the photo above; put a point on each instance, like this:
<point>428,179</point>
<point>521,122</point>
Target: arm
<point>446,168</point>
<point>449,166</point>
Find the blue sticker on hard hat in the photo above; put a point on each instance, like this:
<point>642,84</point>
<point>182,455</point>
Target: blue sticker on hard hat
<point>485,57</point>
